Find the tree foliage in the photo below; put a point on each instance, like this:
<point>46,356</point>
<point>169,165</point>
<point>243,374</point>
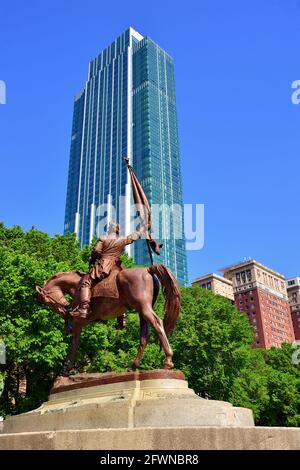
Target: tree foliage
<point>211,343</point>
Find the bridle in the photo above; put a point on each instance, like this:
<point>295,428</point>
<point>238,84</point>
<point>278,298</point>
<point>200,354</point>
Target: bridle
<point>55,301</point>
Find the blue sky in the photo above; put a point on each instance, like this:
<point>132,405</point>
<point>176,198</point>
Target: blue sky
<point>235,62</point>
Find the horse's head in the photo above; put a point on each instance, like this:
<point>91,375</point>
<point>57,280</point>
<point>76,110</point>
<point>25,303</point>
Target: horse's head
<point>53,298</point>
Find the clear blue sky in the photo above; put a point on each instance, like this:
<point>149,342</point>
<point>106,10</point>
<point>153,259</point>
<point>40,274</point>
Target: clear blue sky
<point>239,131</point>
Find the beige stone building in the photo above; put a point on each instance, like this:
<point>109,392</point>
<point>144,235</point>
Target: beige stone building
<point>252,274</point>
<point>217,284</point>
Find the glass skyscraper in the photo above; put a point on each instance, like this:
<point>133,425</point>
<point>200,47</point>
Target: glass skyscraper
<point>128,108</point>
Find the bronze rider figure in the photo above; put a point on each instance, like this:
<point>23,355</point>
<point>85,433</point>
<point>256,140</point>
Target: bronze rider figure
<point>105,257</point>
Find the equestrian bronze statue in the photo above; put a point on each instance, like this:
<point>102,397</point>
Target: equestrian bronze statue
<point>108,290</point>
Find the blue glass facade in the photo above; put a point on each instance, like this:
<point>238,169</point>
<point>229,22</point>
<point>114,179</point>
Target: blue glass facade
<point>128,107</point>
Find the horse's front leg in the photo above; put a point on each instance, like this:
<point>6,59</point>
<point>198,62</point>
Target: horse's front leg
<point>70,362</point>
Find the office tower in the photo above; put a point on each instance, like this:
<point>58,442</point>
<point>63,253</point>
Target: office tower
<point>216,284</point>
<point>261,294</point>
<point>127,108</point>
<point>293,290</point>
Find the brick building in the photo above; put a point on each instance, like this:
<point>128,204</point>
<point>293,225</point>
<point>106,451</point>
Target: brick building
<point>293,290</point>
<point>261,294</point>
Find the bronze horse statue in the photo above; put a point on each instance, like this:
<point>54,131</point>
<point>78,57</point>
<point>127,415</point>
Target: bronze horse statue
<point>138,290</point>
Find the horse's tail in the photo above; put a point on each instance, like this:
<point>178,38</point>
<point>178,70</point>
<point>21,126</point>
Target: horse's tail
<point>171,293</point>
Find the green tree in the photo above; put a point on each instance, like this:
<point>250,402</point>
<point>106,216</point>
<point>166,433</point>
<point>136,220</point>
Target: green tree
<point>210,342</point>
<point>269,384</point>
<point>33,334</point>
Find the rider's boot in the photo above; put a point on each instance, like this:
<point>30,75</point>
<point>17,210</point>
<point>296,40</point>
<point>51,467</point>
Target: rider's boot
<point>84,307</point>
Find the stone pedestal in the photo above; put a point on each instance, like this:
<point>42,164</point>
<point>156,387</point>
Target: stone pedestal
<point>159,398</point>
<point>150,410</point>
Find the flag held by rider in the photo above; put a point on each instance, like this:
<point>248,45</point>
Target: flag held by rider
<point>142,204</point>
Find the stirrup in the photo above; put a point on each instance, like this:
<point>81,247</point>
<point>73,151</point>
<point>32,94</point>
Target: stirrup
<point>79,313</point>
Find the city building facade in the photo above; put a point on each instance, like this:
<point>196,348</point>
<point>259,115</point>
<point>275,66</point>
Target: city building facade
<point>293,290</point>
<point>127,108</point>
<point>261,294</point>
<point>217,284</point>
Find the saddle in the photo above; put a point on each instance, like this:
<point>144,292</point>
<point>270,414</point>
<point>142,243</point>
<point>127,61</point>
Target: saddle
<point>108,286</point>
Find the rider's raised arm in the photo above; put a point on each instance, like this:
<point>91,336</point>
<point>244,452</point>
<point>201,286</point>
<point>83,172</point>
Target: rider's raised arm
<point>134,236</point>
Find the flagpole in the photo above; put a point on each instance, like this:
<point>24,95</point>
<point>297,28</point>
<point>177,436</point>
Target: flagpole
<point>149,251</point>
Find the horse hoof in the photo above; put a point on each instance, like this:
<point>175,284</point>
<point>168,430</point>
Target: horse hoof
<point>168,365</point>
<point>132,368</point>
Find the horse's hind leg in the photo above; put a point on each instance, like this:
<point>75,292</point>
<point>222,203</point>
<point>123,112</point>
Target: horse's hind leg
<point>149,315</point>
<point>144,337</point>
